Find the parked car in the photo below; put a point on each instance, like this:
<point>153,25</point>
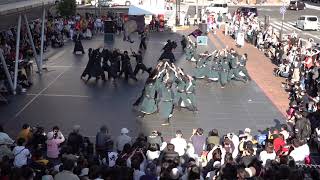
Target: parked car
<point>307,22</point>
<point>217,8</point>
<point>297,5</point>
<point>247,11</point>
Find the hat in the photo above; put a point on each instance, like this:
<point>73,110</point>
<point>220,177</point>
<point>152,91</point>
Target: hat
<point>247,130</point>
<point>84,172</point>
<point>124,131</point>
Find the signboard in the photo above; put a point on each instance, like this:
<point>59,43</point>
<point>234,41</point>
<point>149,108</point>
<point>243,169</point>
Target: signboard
<point>282,10</point>
<point>202,40</point>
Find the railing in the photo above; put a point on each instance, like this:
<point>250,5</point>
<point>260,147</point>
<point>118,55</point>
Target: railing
<point>9,1</point>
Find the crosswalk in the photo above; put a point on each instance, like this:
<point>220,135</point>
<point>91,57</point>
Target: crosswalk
<point>288,26</point>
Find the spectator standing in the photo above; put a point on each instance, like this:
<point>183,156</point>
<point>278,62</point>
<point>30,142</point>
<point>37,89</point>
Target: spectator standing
<point>123,139</point>
<point>180,144</point>
<point>104,142</point>
<point>54,140</point>
<point>21,153</point>
<point>25,133</point>
<point>75,140</point>
<point>198,141</point>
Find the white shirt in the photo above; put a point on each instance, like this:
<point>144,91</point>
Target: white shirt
<point>300,153</point>
<point>264,156</point>
<point>122,140</point>
<point>21,155</point>
<point>180,145</point>
<point>151,155</point>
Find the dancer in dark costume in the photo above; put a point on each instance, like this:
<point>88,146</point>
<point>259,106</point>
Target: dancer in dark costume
<point>95,69</point>
<point>77,43</point>
<point>89,64</point>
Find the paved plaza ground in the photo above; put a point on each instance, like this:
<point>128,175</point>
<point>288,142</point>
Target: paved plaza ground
<point>60,97</point>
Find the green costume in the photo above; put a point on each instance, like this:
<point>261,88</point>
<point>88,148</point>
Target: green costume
<point>189,54</point>
<point>201,70</point>
<point>166,102</point>
<point>181,96</point>
<point>214,71</point>
<point>234,66</point>
<point>190,91</point>
<point>225,68</point>
<point>148,105</point>
<point>242,68</point>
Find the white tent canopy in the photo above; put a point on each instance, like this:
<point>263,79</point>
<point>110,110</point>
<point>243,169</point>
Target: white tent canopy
<point>143,10</point>
<point>139,10</point>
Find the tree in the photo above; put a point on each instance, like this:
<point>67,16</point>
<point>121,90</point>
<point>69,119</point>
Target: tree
<point>67,7</point>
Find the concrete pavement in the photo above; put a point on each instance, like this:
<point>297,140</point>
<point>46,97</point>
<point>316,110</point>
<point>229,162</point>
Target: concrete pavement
<point>60,98</point>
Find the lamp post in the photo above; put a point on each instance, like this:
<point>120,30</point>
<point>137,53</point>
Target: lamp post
<point>177,12</point>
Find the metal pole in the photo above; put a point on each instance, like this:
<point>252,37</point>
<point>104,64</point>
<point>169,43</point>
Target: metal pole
<point>5,67</point>
<point>42,39</point>
<point>177,22</point>
<point>15,80</point>
<point>197,3</point>
<point>36,57</point>
<point>281,27</point>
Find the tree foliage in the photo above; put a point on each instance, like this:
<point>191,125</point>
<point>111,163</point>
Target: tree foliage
<point>67,7</point>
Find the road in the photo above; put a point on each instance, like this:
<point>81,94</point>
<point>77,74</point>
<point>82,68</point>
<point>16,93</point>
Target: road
<point>276,19</point>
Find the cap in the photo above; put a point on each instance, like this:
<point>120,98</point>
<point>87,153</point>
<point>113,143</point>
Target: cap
<point>124,131</point>
<point>247,130</point>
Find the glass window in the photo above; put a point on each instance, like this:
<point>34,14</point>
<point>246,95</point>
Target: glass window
<point>312,19</point>
<point>301,18</point>
<point>224,5</point>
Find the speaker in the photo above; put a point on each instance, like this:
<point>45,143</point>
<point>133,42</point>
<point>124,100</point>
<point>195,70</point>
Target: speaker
<point>109,27</point>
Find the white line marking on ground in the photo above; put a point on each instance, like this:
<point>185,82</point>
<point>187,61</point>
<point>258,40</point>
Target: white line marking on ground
<point>56,56</point>
<point>60,95</point>
<point>37,95</point>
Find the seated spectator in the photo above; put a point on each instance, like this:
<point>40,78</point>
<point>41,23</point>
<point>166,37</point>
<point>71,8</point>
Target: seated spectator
<point>4,137</point>
<point>153,152</point>
<point>267,154</point>
<point>155,138</point>
<point>213,137</point>
<point>21,153</point>
<point>67,172</point>
<point>103,141</point>
<point>169,153</point>
<point>123,139</point>
<point>180,144</point>
<point>198,141</point>
<point>300,152</point>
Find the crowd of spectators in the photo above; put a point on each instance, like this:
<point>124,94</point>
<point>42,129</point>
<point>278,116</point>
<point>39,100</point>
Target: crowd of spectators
<point>297,61</point>
<point>36,154</point>
<point>57,32</point>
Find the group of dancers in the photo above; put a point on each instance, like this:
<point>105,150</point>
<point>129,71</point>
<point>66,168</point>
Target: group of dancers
<point>115,63</point>
<point>167,87</point>
<point>219,66</point>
